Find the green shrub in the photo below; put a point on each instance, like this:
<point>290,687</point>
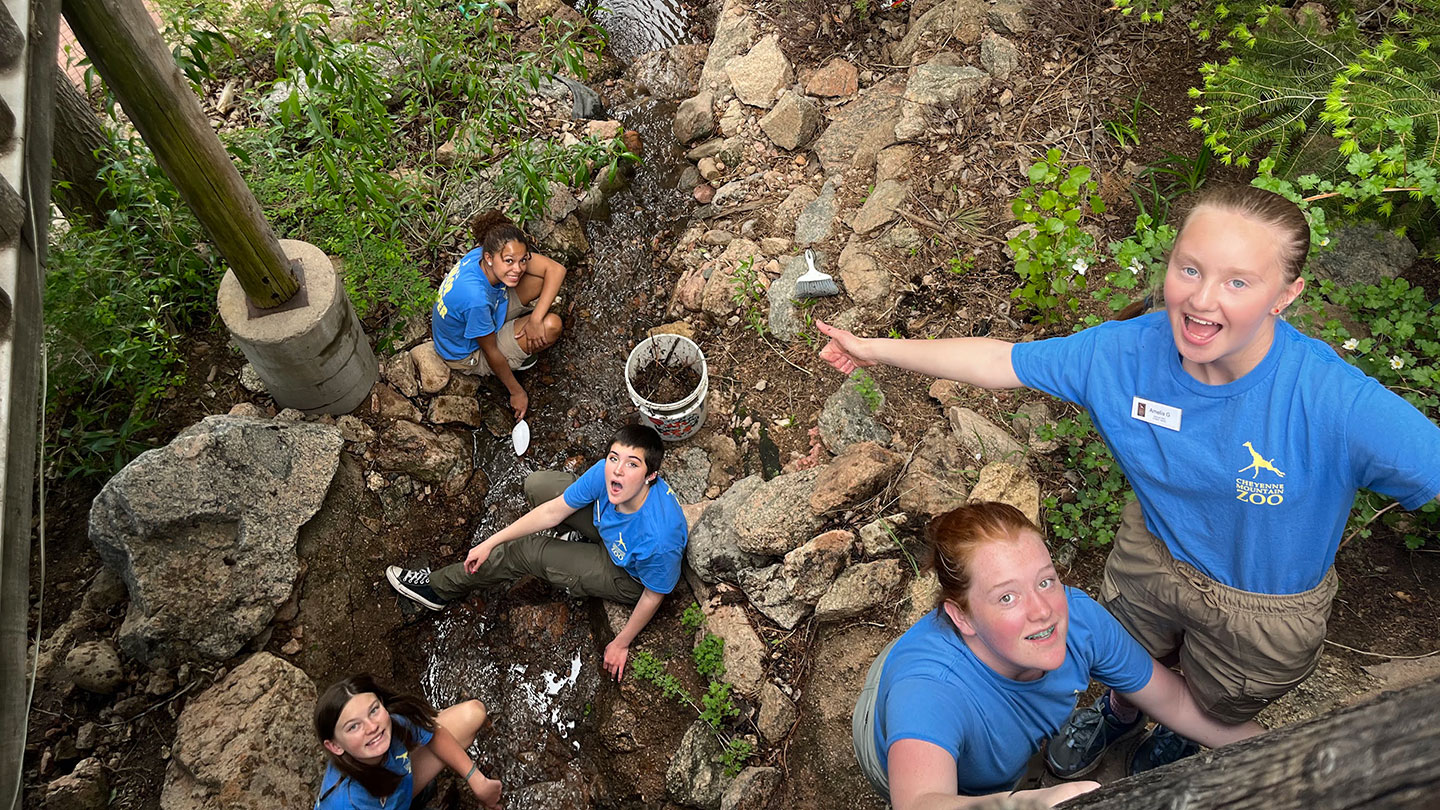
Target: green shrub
<point>1054,253</point>
<point>1100,493</point>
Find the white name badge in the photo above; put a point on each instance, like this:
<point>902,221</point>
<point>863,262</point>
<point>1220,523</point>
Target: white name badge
<point>1156,413</point>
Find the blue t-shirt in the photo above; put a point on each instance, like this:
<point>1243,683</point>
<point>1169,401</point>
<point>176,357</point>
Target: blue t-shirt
<point>650,543</point>
<point>934,689</point>
<point>467,307</point>
<point>340,792</point>
<point>1255,486</point>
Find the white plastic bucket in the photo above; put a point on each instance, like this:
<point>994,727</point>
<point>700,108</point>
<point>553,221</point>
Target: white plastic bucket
<point>679,420</point>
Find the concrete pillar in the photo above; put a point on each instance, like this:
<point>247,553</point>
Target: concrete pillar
<point>312,356</point>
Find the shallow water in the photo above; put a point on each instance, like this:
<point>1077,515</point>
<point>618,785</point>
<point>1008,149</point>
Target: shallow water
<point>639,26</point>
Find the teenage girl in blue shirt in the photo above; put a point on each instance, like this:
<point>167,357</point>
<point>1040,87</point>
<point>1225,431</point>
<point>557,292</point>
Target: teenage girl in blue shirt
<point>951,713</point>
<point>384,748</point>
<point>1245,443</point>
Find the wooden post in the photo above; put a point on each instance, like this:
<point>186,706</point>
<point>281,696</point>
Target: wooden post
<point>1383,753</point>
<point>121,40</point>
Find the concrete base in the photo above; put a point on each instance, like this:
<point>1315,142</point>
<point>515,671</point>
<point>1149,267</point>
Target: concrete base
<point>313,358</point>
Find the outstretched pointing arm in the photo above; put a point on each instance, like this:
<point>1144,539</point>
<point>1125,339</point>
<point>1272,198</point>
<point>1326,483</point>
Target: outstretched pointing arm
<point>983,362</point>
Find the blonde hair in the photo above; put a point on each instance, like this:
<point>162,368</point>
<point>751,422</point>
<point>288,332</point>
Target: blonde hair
<point>1267,208</point>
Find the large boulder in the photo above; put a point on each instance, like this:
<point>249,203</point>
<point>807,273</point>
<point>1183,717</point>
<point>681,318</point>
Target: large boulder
<point>936,480</point>
<point>203,532</point>
<point>776,517</point>
<point>247,742</point>
<point>934,88</point>
<point>848,415</point>
<point>1363,253</point>
<point>713,550</point>
<point>793,122</point>
<point>758,76</point>
<point>563,241</point>
<point>696,777</point>
<point>954,21</point>
<point>855,475</point>
<point>861,589</point>
<point>734,33</point>
<point>436,458</point>
<point>861,128</point>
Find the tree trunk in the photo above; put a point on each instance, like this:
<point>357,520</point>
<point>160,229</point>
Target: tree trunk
<point>79,138</point>
<point>121,40</point>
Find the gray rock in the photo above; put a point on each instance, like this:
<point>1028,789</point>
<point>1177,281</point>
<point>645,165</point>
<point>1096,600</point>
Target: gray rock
<point>924,596</point>
<point>1008,17</point>
<point>563,241</point>
<point>736,191</point>
<point>936,479</point>
<point>687,471</point>
<point>934,88</point>
<point>770,591</point>
<point>709,149</point>
<point>247,742</point>
<point>696,778</point>
<point>720,288</point>
<point>817,217</point>
<point>451,409</point>
<point>877,538</point>
<point>399,371</point>
<point>758,75</point>
<point>777,713</point>
<point>751,789</point>
<point>584,102</point>
<point>695,117</point>
<point>745,653</point>
<point>436,458</point>
<point>561,203</point>
<point>1363,253</point>
<point>861,589</point>
<point>95,667</point>
<point>793,122</point>
<point>791,207</point>
<point>734,33</point>
<point>106,591</point>
<point>673,73</point>
<point>811,569</point>
<point>861,128</point>
<point>998,56</point>
<point>713,550</point>
<point>848,418</point>
<point>785,321</point>
<point>84,788</point>
<point>1007,483</point>
<point>1029,418</point>
<point>776,517</point>
<point>204,530</point>
<point>950,20</point>
<point>982,439</point>
<point>250,380</point>
<point>879,207</point>
<point>855,475</point>
<point>353,430</point>
<point>865,280</point>
<point>434,374</point>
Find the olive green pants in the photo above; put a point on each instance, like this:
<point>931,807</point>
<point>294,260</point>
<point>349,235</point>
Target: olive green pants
<point>579,568</point>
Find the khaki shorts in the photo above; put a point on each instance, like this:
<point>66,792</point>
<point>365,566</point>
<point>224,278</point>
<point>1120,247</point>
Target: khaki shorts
<point>1239,650</point>
<point>475,363</point>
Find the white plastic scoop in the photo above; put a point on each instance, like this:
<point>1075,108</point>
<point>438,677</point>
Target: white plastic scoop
<point>520,437</point>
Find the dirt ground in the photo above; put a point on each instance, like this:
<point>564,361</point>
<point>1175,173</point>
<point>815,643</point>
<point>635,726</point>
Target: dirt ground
<point>1089,66</point>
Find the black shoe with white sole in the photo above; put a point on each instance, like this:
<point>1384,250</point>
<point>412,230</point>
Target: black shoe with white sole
<point>414,584</point>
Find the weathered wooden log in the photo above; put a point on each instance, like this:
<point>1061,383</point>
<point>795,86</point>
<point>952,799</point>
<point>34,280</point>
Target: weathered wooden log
<point>121,40</point>
<point>80,149</point>
<point>1383,753</point>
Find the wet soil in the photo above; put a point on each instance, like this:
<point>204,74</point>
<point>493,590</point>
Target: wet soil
<point>665,383</point>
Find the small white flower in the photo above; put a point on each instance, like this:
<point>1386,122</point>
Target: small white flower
<point>1080,266</point>
<point>1135,267</point>
<point>1350,345</point>
<point>1396,363</point>
<point>1324,241</point>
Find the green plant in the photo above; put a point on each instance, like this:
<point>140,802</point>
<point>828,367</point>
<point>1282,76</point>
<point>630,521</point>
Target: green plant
<point>1100,493</point>
<point>748,293</point>
<point>868,390</point>
<point>1053,253</point>
<point>808,332</point>
<point>1126,129</point>
<point>1402,351</point>
<point>709,656</point>
<point>693,618</point>
<point>646,667</point>
<point>736,752</point>
<point>1141,261</point>
<point>960,264</point>
<point>718,707</point>
<point>1159,184</point>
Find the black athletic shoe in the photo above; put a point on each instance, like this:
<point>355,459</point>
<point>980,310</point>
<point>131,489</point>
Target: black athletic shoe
<point>414,584</point>
<point>1161,747</point>
<point>1076,748</point>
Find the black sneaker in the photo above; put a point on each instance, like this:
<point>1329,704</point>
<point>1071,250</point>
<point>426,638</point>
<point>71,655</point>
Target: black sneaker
<point>414,584</point>
<point>1161,747</point>
<point>528,363</point>
<point>1076,748</point>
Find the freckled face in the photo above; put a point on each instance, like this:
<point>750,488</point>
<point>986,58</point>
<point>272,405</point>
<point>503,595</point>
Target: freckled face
<point>1223,283</point>
<point>1018,617</point>
<point>508,266</point>
<point>363,730</point>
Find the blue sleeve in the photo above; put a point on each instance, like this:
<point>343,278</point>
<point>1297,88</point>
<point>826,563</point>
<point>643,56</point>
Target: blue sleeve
<point>588,488</point>
<point>422,735</point>
<point>1057,366</point>
<point>1116,659</point>
<point>926,710</point>
<point>1394,449</point>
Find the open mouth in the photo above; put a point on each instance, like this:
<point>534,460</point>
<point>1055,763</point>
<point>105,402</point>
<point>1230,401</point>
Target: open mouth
<point>1042,635</point>
<point>615,487</point>
<point>1199,329</point>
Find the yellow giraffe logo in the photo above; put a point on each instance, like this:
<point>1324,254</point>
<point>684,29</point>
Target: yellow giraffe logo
<point>1258,463</point>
